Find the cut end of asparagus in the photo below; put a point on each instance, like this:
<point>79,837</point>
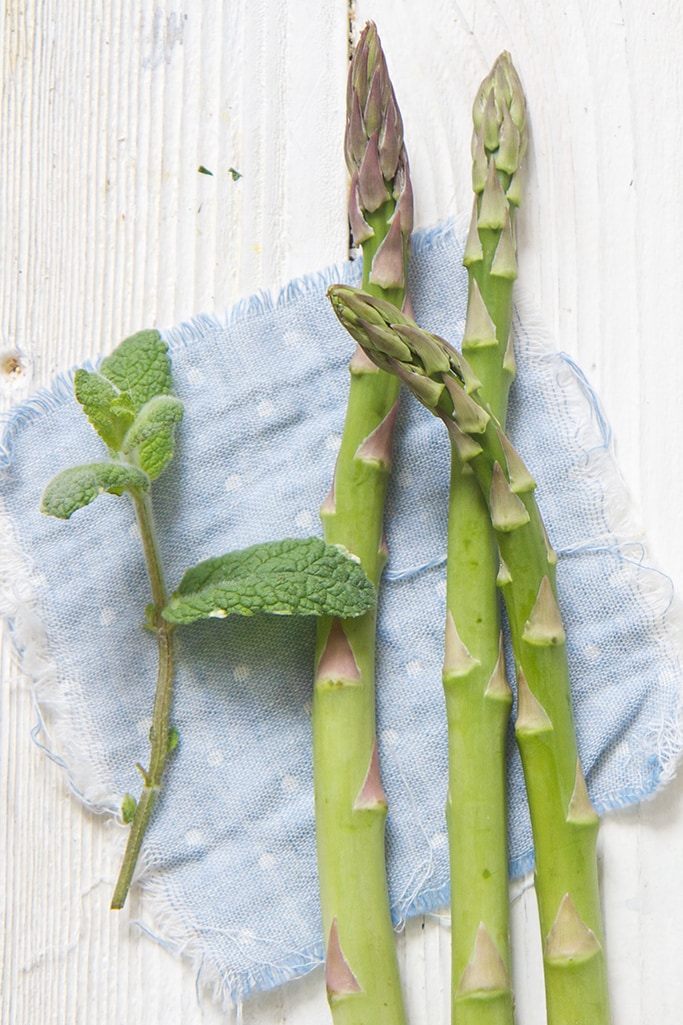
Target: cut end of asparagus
<point>570,941</point>
<point>544,626</point>
<point>337,666</point>
<point>339,979</point>
<point>371,796</point>
<point>485,973</point>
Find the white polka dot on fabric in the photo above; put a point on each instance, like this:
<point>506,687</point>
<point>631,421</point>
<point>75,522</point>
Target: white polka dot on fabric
<point>333,442</point>
<point>390,737</point>
<point>440,588</point>
<point>233,482</point>
<point>591,652</point>
<point>194,838</point>
<point>265,408</point>
<point>304,518</point>
<point>214,758</point>
<point>266,861</point>
<point>414,668</point>
<point>439,840</point>
<point>292,339</point>
<point>195,376</point>
<point>107,615</point>
<point>241,673</point>
<point>143,726</point>
<point>290,784</point>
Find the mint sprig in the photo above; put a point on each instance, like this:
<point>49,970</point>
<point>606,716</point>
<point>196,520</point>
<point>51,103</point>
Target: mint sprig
<point>129,403</point>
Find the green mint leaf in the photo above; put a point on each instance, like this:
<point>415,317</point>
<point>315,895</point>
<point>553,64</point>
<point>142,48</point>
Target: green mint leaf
<point>140,367</point>
<point>152,434</point>
<point>103,407</point>
<point>173,739</point>
<point>128,808</point>
<point>290,577</point>
<point>72,489</point>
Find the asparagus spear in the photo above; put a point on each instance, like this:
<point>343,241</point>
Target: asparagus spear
<point>363,984</point>
<point>565,825</point>
<point>478,698</point>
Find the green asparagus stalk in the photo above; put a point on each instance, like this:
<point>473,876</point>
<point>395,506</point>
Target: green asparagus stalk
<point>478,698</point>
<point>363,984</point>
<point>565,825</point>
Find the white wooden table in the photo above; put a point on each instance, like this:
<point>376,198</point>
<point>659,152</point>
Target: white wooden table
<point>106,226</point>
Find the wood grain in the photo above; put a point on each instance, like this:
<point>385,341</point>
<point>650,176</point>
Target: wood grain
<point>107,111</point>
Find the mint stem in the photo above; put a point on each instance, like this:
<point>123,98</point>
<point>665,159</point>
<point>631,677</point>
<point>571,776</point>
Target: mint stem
<point>163,699</point>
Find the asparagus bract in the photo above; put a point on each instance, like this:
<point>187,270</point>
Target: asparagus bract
<point>363,982</point>
<point>564,823</point>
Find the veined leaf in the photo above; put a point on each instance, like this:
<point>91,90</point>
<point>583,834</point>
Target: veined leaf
<point>152,434</point>
<point>101,403</point>
<point>78,486</point>
<point>291,577</point>
<point>140,367</point>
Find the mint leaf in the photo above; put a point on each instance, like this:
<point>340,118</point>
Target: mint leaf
<point>290,577</point>
<point>152,434</point>
<point>72,489</point>
<point>140,367</point>
<point>102,405</point>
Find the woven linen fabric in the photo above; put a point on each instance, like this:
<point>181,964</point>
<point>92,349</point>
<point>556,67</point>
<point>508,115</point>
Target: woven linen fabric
<point>229,866</point>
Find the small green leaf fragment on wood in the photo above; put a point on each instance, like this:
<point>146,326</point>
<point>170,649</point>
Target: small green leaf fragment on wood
<point>78,486</point>
<point>139,367</point>
<point>102,406</point>
<point>128,808</point>
<point>152,434</point>
<point>290,577</point>
<point>204,170</point>
<point>235,174</point>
